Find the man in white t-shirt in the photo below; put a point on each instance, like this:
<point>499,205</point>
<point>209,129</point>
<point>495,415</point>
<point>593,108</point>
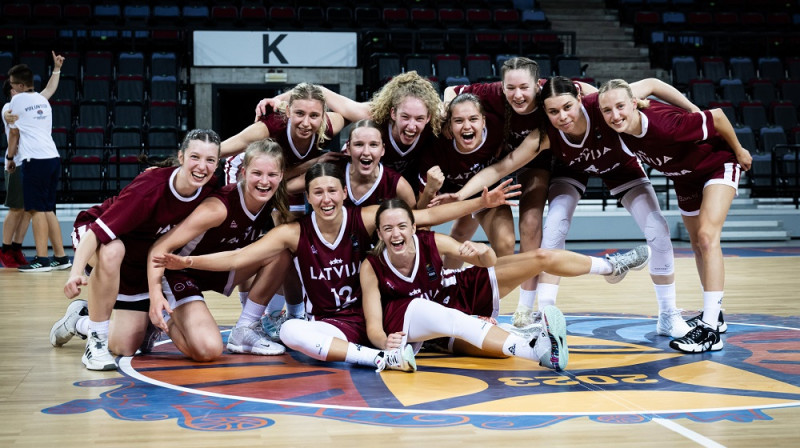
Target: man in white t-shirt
<point>41,167</point>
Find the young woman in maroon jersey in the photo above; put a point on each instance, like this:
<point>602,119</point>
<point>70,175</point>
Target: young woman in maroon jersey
<point>410,297</point>
<point>407,111</point>
<point>700,152</point>
<point>471,141</point>
<point>231,218</point>
<point>114,237</point>
<point>328,246</point>
<point>368,181</point>
<point>301,126</point>
<point>581,146</point>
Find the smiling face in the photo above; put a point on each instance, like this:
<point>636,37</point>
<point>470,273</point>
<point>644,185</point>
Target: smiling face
<point>410,118</point>
<point>520,90</point>
<point>564,112</point>
<point>198,162</point>
<point>261,179</point>
<point>366,149</point>
<point>326,195</point>
<point>396,230</point>
<point>466,125</point>
<point>619,111</point>
<point>306,118</point>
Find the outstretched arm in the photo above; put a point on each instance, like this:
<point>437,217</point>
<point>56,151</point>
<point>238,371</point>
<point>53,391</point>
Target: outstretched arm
<point>664,91</point>
<point>238,143</point>
<point>52,84</point>
<point>349,109</point>
<point>448,212</point>
<point>477,254</point>
<point>257,253</point>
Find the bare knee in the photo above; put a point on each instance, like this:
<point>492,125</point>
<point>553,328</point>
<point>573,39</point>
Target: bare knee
<point>207,350</point>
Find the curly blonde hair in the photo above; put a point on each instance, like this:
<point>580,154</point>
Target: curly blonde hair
<point>409,84</point>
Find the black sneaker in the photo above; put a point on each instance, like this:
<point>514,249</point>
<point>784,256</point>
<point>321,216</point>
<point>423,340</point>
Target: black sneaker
<point>722,327</point>
<point>151,336</point>
<point>701,338</point>
<point>39,264</point>
<point>61,263</point>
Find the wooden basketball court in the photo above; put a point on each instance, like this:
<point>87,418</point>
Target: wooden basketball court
<point>610,395</point>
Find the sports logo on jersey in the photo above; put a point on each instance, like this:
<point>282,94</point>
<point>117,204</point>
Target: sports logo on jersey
<point>431,272</point>
<point>234,225</point>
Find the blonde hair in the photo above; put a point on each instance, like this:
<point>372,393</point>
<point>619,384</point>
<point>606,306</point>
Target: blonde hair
<point>621,84</point>
<point>402,86</point>
<point>269,148</point>
<point>308,91</point>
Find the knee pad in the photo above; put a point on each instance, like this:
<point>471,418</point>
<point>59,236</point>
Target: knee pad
<point>554,234</point>
<point>656,231</point>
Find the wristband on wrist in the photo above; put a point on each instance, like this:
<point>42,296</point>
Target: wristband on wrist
<point>58,72</point>
<point>9,157</point>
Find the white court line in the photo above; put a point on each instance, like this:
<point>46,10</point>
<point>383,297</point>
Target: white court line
<point>688,433</point>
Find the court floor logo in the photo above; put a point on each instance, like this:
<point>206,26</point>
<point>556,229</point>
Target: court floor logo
<point>619,372</point>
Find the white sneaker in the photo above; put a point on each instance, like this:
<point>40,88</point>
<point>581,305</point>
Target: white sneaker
<point>272,324</point>
<point>398,359</point>
<point>528,332</point>
<point>634,259</point>
<point>554,330</point>
<point>672,324</point>
<point>64,329</point>
<point>251,339</point>
<point>97,356</point>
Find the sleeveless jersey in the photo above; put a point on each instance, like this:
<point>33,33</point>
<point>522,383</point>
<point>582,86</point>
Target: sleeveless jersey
<point>329,271</point>
<point>385,187</point>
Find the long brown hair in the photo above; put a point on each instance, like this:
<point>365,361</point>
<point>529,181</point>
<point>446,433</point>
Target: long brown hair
<point>389,204</point>
<point>516,63</point>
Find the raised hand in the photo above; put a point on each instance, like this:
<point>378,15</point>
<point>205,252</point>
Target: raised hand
<point>500,195</point>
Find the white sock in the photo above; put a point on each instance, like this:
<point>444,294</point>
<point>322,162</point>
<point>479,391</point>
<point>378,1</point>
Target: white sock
<point>527,299</point>
<point>275,304</point>
<point>517,346</point>
<point>601,266</point>
<point>250,313</point>
<point>665,294</point>
<point>296,311</point>
<point>82,325</point>
<point>243,297</point>
<point>98,327</point>
<point>547,294</point>
<point>365,356</point>
<point>712,304</point>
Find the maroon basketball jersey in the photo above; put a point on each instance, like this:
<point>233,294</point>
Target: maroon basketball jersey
<point>329,270</point>
<point>599,152</point>
<point>279,130</point>
<point>145,209</point>
<point>385,187</point>
<point>459,167</point>
<point>677,142</point>
<point>494,102</point>
<point>239,229</point>
<point>405,160</point>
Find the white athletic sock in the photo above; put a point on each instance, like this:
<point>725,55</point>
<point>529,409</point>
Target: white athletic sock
<point>82,325</point>
<point>600,266</point>
<point>276,303</point>
<point>712,304</point>
<point>98,327</point>
<point>250,313</point>
<point>526,298</point>
<point>361,355</point>
<point>517,346</point>
<point>547,294</point>
<point>665,294</point>
<point>297,311</point>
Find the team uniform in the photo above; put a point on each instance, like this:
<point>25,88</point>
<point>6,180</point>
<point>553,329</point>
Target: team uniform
<point>144,210</point>
<point>385,187</point>
<point>599,153</point>
<point>279,127</point>
<point>405,161</point>
<point>14,198</point>
<point>41,164</point>
<point>459,167</point>
<point>472,290</point>
<point>686,148</point>
<point>240,228</point>
<point>329,272</point>
<point>519,126</point>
